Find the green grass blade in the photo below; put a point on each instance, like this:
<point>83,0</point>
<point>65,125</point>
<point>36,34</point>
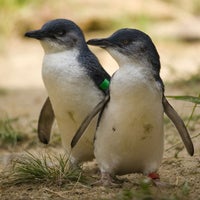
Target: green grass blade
<point>45,168</point>
<point>191,99</point>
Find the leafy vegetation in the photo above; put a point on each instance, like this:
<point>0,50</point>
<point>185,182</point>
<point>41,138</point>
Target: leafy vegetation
<point>8,133</point>
<point>145,191</point>
<point>192,99</point>
<point>51,169</point>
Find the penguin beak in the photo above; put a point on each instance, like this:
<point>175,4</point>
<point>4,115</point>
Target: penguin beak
<point>103,43</point>
<point>38,34</point>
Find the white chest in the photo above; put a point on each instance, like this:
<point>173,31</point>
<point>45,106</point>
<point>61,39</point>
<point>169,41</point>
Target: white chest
<point>134,83</point>
<point>66,80</point>
<point>60,70</point>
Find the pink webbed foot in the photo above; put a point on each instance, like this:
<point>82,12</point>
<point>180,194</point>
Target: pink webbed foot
<point>155,177</point>
<point>107,180</point>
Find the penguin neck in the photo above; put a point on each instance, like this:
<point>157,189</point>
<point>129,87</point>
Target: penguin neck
<point>63,60</point>
<point>133,65</point>
<point>67,53</point>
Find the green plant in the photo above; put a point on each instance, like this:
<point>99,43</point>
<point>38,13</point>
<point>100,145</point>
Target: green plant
<point>191,99</point>
<point>146,191</point>
<point>51,169</point>
<point>8,134</point>
<point>3,92</point>
<point>143,192</point>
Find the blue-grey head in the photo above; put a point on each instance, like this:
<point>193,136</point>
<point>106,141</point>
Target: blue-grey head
<point>129,46</point>
<point>59,35</point>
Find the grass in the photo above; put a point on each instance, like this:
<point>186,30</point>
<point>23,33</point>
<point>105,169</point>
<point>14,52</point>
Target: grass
<point>186,85</point>
<point>192,99</point>
<point>9,136</point>
<point>3,92</point>
<point>97,24</point>
<point>48,169</point>
<point>145,191</point>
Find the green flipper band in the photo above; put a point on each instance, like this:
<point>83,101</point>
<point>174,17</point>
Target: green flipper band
<point>105,84</point>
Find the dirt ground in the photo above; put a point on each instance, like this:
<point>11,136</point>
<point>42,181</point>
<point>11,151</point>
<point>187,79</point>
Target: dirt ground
<point>22,94</point>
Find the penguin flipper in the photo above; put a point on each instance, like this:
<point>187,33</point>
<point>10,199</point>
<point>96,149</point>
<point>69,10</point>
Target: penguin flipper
<point>179,124</point>
<point>45,122</point>
<point>88,119</point>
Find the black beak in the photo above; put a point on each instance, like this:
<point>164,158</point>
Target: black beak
<point>38,34</point>
<point>104,42</point>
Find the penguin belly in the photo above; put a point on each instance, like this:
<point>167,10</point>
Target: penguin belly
<point>129,137</point>
<point>73,96</point>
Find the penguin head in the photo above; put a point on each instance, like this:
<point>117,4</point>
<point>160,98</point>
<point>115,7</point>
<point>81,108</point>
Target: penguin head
<point>128,46</point>
<point>58,35</point>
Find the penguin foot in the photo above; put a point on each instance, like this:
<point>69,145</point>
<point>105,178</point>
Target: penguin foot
<point>155,178</point>
<point>108,181</point>
<point>160,184</point>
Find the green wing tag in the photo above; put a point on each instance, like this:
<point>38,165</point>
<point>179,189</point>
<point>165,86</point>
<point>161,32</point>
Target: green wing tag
<point>105,84</point>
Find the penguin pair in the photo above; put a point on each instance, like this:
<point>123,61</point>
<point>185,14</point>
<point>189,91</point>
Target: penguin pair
<point>129,129</point>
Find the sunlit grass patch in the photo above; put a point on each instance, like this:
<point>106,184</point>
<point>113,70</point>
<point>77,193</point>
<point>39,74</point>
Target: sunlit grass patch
<point>191,99</point>
<point>189,85</point>
<point>142,191</point>
<point>9,135</point>
<point>46,168</point>
<point>3,92</point>
<point>111,24</point>
<point>146,191</point>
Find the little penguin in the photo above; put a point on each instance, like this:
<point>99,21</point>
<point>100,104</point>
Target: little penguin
<point>75,82</point>
<point>129,136</point>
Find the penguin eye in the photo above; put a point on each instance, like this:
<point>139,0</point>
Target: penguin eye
<point>60,33</point>
<point>125,42</point>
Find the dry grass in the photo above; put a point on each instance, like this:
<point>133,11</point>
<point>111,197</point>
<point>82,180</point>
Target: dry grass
<point>49,169</point>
